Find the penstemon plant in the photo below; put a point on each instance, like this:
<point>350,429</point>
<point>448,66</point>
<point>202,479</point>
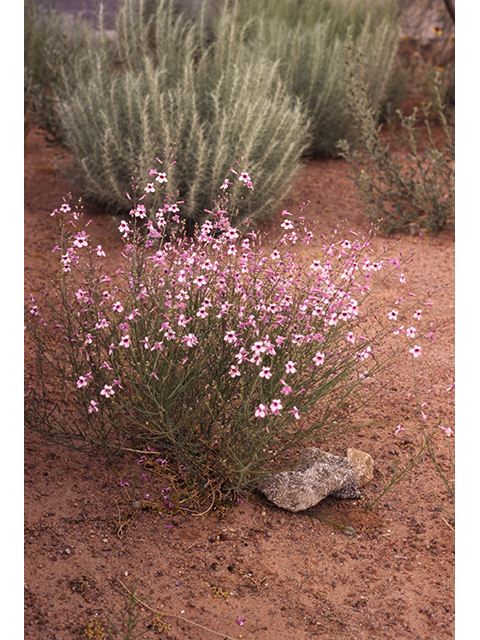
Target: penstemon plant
<point>209,349</point>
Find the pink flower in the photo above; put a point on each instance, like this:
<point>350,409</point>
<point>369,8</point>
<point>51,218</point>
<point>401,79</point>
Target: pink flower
<point>93,406</point>
<point>83,381</point>
<point>190,340</point>
<point>241,621</point>
<point>161,177</point>
<point>265,373</point>
<point>150,188</point>
<point>399,428</point>
<point>107,391</point>
<point>117,307</point>
<point>241,356</point>
<point>286,390</point>
<point>124,228</point>
<point>410,333</point>
<point>100,251</point>
<point>318,358</point>
<point>333,320</point>
<point>275,254</point>
<point>258,348</point>
<point>125,341</point>
<point>447,430</point>
<point>275,407</point>
<point>234,371</point>
<point>416,351</point>
<point>393,315</point>
<point>81,240</point>
<point>402,279</point>
<point>102,324</point>
<point>230,337</point>
<point>363,355</point>
<point>225,184</point>
<point>200,281</point>
<point>350,337</point>
<point>295,413</point>
<point>134,313</point>
<point>182,320</point>
<point>290,367</point>
<point>261,412</point>
<point>269,348</point>
<point>418,314</point>
<point>140,211</point>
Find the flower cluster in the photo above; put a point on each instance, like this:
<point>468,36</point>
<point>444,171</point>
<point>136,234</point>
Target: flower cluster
<point>212,347</point>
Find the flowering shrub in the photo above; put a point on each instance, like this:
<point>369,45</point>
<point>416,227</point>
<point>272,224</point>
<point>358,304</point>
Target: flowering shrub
<point>212,352</point>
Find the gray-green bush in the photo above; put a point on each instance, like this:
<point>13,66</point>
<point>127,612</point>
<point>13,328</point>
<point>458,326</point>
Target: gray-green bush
<point>308,40</point>
<point>168,88</point>
<point>50,49</point>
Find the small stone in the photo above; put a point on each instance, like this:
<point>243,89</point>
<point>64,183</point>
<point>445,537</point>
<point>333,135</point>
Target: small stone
<point>322,474</point>
<point>362,465</point>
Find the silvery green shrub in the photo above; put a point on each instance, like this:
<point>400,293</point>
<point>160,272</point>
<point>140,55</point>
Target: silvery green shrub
<point>161,91</point>
<point>311,54</point>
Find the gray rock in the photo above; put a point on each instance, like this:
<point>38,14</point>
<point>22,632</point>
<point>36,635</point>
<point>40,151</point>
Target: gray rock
<point>321,475</point>
<point>362,465</point>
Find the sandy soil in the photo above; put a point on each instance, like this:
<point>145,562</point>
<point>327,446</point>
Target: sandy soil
<point>283,575</point>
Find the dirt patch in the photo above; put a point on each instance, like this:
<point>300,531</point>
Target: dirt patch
<point>253,571</point>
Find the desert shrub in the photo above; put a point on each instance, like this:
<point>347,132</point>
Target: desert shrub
<point>418,193</point>
<point>50,49</point>
<point>344,15</point>
<point>43,39</point>
<point>308,41</point>
<point>214,354</point>
<point>168,87</point>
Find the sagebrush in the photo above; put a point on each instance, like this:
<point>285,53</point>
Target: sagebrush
<point>214,108</point>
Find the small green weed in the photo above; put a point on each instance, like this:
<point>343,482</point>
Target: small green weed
<point>416,195</point>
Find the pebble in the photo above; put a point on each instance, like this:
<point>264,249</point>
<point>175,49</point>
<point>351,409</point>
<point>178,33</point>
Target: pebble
<point>349,531</point>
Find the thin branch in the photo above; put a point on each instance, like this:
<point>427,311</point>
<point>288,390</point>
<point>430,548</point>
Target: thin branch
<point>448,524</point>
<point>172,615</point>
